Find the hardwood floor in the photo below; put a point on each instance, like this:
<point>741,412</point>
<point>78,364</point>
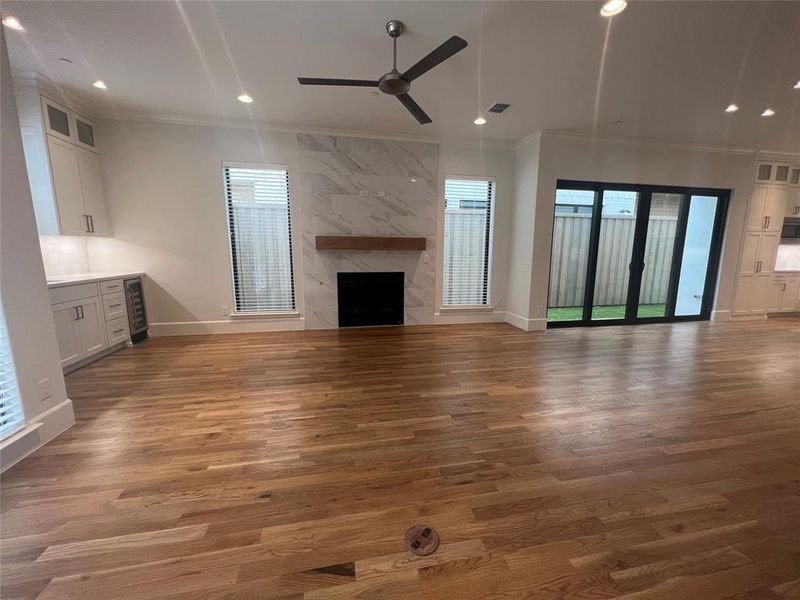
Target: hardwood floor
<point>658,461</point>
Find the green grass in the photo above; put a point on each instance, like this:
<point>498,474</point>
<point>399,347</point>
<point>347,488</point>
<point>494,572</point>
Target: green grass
<point>575,313</point>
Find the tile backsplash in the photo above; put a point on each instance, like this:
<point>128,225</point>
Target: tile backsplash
<point>64,255</point>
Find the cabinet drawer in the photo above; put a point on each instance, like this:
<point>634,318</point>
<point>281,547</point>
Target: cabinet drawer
<point>111,287</point>
<point>68,293</point>
<point>114,306</point>
<point>117,331</point>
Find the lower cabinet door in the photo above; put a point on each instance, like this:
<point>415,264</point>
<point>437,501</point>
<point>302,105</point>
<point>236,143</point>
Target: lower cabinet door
<point>92,326</point>
<point>790,298</point>
<point>743,301</point>
<point>766,294</point>
<point>66,318</point>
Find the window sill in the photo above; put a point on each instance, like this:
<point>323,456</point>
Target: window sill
<point>463,309</point>
<point>264,315</point>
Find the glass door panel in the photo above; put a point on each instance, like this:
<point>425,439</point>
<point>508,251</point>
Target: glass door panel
<point>696,254</point>
<point>662,228</point>
<point>569,259</point>
<point>614,254</point>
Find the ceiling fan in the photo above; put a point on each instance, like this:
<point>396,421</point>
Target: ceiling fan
<point>395,83</point>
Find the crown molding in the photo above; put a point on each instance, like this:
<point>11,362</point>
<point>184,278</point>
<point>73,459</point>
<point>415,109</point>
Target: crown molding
<point>47,87</point>
<point>781,155</point>
<point>173,119</point>
<point>737,150</point>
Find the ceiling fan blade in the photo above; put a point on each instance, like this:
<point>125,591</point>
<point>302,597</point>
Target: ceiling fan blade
<point>349,82</point>
<point>439,55</point>
<point>414,109</point>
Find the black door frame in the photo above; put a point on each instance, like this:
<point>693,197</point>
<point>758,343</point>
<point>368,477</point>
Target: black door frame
<point>636,266</point>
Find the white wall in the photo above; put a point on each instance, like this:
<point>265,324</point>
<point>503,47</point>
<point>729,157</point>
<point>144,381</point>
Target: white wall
<point>25,298</point>
<point>164,192</point>
<point>564,157</point>
<point>165,200</point>
<point>526,177</point>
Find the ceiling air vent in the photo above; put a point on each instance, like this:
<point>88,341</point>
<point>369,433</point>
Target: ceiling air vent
<point>499,107</point>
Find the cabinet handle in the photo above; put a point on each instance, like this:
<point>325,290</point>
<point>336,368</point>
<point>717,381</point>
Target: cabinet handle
<point>114,305</point>
<point>769,220</point>
<point>86,223</point>
<point>118,331</point>
<point>91,223</point>
<point>797,210</point>
<point>758,267</point>
<point>81,307</point>
<point>77,314</point>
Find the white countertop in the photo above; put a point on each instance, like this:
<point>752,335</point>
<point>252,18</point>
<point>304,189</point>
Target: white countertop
<point>62,280</point>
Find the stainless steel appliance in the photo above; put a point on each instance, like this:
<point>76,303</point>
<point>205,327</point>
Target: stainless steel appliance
<point>137,316</point>
<point>791,229</point>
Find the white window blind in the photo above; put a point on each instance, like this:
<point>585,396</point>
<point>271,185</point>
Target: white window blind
<point>467,241</point>
<point>259,223</point>
<point>11,416</point>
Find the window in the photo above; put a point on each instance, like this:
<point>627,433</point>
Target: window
<point>11,417</point>
<point>467,241</point>
<point>259,224</point>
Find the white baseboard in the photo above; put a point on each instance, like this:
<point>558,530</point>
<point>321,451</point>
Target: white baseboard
<point>231,326</point>
<point>524,323</point>
<point>720,315</point>
<point>466,317</point>
<point>36,434</point>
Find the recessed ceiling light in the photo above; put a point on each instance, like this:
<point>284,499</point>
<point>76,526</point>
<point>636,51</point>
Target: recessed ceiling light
<point>768,112</point>
<point>613,7</point>
<point>797,85</point>
<point>100,84</point>
<point>246,98</point>
<point>13,23</point>
<point>732,108</point>
<point>480,121</point>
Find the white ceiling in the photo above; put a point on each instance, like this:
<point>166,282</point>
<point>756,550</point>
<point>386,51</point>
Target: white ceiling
<point>659,71</point>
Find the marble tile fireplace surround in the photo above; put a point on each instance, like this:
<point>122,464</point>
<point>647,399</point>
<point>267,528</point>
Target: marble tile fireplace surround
<point>367,187</point>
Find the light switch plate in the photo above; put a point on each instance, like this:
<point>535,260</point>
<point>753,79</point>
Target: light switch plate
<point>44,389</point>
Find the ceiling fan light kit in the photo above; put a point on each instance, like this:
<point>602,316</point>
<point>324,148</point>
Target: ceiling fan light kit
<point>395,83</point>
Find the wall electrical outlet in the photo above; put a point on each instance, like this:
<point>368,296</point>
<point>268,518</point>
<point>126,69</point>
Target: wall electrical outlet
<point>363,193</point>
<point>44,389</point>
<point>226,311</point>
<point>381,194</point>
<point>426,258</point>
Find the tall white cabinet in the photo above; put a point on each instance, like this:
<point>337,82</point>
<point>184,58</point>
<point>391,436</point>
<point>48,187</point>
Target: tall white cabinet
<point>64,166</point>
<point>759,289</point>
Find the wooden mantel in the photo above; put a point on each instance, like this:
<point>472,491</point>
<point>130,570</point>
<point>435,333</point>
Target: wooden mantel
<point>355,242</point>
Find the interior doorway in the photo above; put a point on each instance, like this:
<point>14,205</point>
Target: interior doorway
<point>625,253</point>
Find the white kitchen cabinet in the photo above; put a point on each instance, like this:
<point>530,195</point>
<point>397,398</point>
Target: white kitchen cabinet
<point>64,167</point>
<point>759,251</point>
<point>67,187</point>
<point>776,207</point>
<point>94,203</point>
<point>67,125</point>
<point>78,187</point>
<point>92,326</point>
<point>84,133</point>
<point>788,291</point>
<point>57,119</point>
<point>767,207</point>
<point>67,333</point>
<point>80,329</point>
<point>793,202</point>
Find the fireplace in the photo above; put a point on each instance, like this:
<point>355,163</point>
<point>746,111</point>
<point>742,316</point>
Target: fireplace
<point>370,299</point>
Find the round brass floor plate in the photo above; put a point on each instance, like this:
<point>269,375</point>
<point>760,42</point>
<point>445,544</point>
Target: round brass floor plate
<point>422,540</point>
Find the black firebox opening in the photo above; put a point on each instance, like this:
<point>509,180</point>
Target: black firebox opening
<point>370,299</point>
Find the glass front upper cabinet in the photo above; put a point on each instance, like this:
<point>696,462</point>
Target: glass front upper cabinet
<point>65,124</point>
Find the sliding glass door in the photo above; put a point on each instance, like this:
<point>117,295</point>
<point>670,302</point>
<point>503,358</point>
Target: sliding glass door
<point>633,253</point>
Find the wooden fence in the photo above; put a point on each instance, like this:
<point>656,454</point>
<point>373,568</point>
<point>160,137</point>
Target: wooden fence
<point>571,250</point>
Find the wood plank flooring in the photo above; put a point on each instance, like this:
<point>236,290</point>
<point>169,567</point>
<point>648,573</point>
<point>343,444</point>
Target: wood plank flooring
<point>658,461</point>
